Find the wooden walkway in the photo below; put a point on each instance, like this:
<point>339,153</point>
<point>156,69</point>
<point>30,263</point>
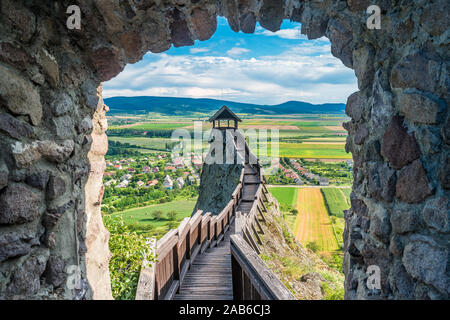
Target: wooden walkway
<point>210,275</point>
<point>251,184</point>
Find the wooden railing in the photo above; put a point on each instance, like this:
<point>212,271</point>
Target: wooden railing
<point>252,279</point>
<point>178,248</point>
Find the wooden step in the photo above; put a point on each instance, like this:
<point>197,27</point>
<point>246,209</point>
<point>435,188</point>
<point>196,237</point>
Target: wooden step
<point>252,179</point>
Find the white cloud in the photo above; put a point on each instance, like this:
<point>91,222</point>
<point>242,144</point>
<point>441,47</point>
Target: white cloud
<point>198,50</point>
<point>235,52</point>
<point>293,33</point>
<point>306,72</point>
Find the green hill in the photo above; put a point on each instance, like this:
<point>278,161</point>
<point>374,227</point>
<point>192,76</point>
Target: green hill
<point>184,106</point>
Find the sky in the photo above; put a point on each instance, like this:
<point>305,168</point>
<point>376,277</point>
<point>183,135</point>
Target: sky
<point>263,68</point>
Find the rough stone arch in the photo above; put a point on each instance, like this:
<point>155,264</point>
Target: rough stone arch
<point>53,142</point>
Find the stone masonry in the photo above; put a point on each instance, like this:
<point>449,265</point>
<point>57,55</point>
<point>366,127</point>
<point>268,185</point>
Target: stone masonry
<point>53,142</point>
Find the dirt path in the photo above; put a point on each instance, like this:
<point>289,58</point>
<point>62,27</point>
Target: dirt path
<point>312,222</point>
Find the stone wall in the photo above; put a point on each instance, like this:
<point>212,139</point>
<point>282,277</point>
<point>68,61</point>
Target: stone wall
<point>52,132</point>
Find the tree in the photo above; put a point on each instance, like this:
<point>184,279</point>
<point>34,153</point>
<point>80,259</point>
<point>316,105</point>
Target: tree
<point>158,215</point>
<point>172,215</point>
<point>172,225</point>
<point>313,246</point>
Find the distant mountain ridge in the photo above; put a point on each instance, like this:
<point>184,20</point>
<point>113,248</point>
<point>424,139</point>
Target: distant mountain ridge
<point>183,106</point>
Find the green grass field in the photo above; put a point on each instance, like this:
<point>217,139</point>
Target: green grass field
<point>316,138</point>
<point>151,143</point>
<point>337,200</point>
<point>313,223</point>
<point>147,143</point>
<point>287,196</point>
<point>157,125</point>
<point>141,219</point>
<point>319,151</point>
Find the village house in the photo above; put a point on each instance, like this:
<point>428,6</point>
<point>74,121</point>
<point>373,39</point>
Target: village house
<point>170,168</point>
<point>131,170</point>
<point>123,184</point>
<point>324,182</point>
<point>180,182</point>
<point>118,167</point>
<point>191,180</point>
<point>145,169</point>
<point>109,174</point>
<point>140,183</point>
<point>155,169</point>
<point>168,183</point>
<point>152,183</point>
<point>126,177</point>
<point>110,182</point>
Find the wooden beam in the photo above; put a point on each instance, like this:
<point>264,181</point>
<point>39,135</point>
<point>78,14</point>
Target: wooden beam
<point>146,284</point>
<point>261,277</point>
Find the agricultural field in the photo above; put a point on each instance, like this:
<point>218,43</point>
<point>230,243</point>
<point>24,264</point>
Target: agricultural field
<point>142,219</point>
<point>307,136</point>
<point>285,195</point>
<point>287,198</point>
<point>146,143</point>
<point>336,201</point>
<point>313,223</point>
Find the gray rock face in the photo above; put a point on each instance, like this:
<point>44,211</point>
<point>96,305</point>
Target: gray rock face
<point>15,128</point>
<point>53,119</point>
<point>38,179</point>
<point>416,71</point>
<point>19,204</point>
<point>412,184</point>
<point>426,261</point>
<point>54,213</point>
<point>205,24</point>
<point>341,35</point>
<point>54,272</point>
<point>404,221</point>
<point>63,127</point>
<point>20,96</point>
<point>419,108</point>
<point>4,173</point>
<point>399,147</point>
<point>217,183</point>
<point>436,214</point>
<point>271,15</point>
<point>381,181</point>
<point>56,187</point>
<point>25,281</point>
<point>354,106</point>
<point>14,244</point>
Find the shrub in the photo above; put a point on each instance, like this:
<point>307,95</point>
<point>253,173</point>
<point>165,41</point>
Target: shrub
<point>172,215</point>
<point>128,251</point>
<point>313,246</point>
<point>172,224</point>
<point>158,215</point>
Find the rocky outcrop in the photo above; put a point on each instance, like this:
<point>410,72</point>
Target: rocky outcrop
<point>218,180</point>
<point>52,128</point>
<point>300,269</point>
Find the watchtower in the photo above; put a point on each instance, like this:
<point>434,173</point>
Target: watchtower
<point>224,114</point>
